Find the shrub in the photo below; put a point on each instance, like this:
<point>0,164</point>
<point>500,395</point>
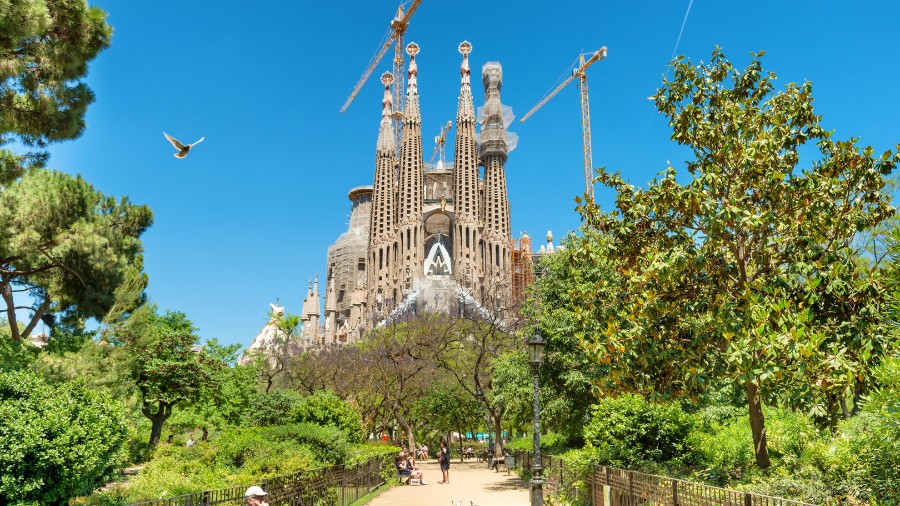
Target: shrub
<point>630,432</point>
<point>551,444</point>
<point>56,442</point>
<point>725,451</point>
<point>325,408</point>
<point>238,457</point>
<point>275,408</point>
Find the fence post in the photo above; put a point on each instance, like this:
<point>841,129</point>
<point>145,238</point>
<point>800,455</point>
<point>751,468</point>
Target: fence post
<point>674,492</point>
<point>206,498</point>
<point>631,488</point>
<point>748,499</point>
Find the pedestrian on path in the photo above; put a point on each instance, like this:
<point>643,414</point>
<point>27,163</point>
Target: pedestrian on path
<point>255,496</point>
<point>444,460</point>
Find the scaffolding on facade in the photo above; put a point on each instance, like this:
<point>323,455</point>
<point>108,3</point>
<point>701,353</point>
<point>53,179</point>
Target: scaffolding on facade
<point>522,267</point>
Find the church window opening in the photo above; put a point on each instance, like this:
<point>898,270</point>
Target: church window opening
<point>497,255</point>
<point>407,238</point>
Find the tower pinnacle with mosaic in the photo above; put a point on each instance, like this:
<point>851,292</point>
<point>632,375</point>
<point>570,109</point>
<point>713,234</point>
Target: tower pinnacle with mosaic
<point>410,198</point>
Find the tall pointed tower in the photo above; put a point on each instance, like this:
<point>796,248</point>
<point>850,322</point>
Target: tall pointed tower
<point>466,231</point>
<point>410,195</point>
<point>382,252</point>
<point>494,152</point>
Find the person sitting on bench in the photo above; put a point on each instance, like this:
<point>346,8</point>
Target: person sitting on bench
<point>414,472</point>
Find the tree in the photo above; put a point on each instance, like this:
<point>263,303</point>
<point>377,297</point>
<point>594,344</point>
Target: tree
<point>398,358</point>
<point>65,245</point>
<point>745,270</point>
<point>45,46</point>
<point>273,360</point>
<point>326,409</point>
<point>166,366</point>
<point>59,441</point>
<point>446,408</point>
<point>467,348</point>
<point>231,399</point>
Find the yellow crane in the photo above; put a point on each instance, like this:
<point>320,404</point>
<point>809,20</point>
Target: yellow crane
<point>439,141</point>
<point>585,110</point>
<point>393,37</point>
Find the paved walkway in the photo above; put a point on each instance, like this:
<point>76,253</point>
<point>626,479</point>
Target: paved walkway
<point>470,482</point>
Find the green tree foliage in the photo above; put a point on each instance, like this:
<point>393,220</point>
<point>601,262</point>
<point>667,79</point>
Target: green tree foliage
<point>327,409</point>
<point>630,432</point>
<point>274,408</point>
<point>166,364</point>
<point>58,441</point>
<point>66,246</point>
<point>744,271</point>
<point>445,409</point>
<point>45,46</point>
<point>513,386</point>
<point>229,402</point>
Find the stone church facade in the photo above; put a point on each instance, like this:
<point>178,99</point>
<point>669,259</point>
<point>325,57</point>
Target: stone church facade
<point>422,237</point>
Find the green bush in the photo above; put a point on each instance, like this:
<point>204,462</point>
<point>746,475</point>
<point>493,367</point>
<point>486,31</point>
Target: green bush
<point>56,442</point>
<point>551,444</point>
<point>238,457</point>
<point>274,408</point>
<point>325,408</point>
<point>863,460</point>
<point>14,356</point>
<point>724,451</point>
<point>630,432</point>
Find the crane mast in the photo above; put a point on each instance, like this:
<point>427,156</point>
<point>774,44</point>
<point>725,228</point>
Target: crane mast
<point>439,142</point>
<point>393,37</point>
<point>581,74</point>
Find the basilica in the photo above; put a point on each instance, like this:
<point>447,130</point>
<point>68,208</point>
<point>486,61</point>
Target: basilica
<point>424,237</point>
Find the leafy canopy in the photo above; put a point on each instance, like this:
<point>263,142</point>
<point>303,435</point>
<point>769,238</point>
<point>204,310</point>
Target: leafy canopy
<point>45,46</point>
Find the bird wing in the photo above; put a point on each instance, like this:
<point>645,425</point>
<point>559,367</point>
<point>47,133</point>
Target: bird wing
<point>198,142</point>
<point>179,146</point>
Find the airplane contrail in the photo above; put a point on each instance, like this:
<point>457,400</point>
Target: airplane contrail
<point>684,22</point>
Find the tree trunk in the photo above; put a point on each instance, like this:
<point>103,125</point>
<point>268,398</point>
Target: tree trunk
<point>410,438</point>
<point>163,412</point>
<point>461,459</point>
<point>6,292</point>
<point>205,434</point>
<point>498,431</point>
<point>757,426</point>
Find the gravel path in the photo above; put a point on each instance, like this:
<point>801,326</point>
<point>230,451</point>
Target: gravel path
<point>469,481</point>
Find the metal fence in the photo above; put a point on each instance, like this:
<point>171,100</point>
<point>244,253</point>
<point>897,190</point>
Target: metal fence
<point>324,486</point>
<point>609,486</point>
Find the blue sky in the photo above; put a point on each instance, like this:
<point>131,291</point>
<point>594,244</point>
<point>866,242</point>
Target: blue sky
<point>248,216</point>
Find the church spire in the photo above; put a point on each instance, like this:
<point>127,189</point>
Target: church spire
<point>382,250</point>
<point>466,202</point>
<point>386,142</point>
<point>410,200</point>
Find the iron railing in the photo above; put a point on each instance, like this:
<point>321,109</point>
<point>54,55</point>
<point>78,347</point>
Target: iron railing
<point>324,486</point>
<point>609,486</point>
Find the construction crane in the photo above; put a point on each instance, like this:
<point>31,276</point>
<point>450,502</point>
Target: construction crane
<point>439,142</point>
<point>394,36</point>
<point>585,111</point>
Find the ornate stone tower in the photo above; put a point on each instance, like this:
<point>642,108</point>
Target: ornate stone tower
<point>467,230</point>
<point>410,195</point>
<point>494,150</point>
<point>382,252</point>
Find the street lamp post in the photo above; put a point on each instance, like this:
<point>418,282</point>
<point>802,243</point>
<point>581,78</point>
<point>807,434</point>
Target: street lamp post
<point>536,357</point>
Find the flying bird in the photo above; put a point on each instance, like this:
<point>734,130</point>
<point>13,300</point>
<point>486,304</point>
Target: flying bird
<point>182,149</point>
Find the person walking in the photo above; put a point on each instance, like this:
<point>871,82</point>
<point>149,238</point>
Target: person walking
<point>255,496</point>
<point>444,461</point>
